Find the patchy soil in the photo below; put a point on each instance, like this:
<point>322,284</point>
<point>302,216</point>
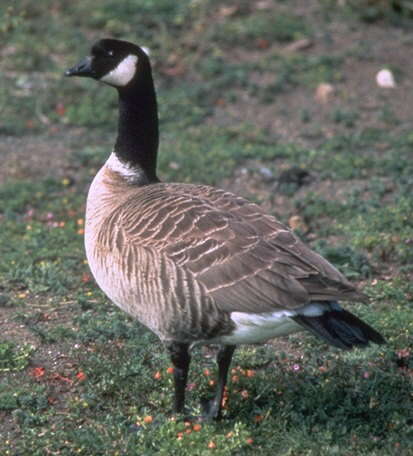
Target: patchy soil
<point>32,157</point>
<point>364,51</point>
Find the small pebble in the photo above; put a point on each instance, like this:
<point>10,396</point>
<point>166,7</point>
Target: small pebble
<point>385,79</point>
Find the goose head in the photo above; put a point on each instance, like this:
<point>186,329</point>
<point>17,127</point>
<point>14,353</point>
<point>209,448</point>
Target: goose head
<point>117,63</point>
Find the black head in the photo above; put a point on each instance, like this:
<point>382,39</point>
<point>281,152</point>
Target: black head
<point>115,62</point>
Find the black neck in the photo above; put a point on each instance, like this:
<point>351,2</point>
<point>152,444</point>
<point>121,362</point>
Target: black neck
<point>138,137</point>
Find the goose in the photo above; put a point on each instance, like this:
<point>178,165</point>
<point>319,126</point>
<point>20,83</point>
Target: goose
<point>193,263</point>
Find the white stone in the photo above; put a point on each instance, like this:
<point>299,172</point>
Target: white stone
<point>385,79</point>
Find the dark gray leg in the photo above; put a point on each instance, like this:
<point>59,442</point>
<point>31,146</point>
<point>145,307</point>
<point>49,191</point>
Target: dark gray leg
<point>212,407</point>
<point>180,359</point>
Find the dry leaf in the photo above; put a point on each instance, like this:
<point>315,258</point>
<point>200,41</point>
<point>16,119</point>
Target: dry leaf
<point>324,92</point>
<point>297,223</point>
<point>226,11</point>
<point>299,45</point>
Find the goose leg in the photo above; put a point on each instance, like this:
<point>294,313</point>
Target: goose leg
<point>180,358</point>
<point>212,408</point>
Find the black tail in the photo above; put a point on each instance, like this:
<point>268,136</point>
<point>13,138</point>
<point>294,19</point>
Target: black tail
<point>341,329</point>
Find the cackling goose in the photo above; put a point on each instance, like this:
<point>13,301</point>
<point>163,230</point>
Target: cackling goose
<point>196,264</point>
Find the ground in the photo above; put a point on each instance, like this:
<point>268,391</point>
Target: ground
<point>274,100</point>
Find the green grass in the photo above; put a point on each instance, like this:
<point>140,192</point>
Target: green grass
<point>14,358</point>
<point>396,12</point>
<point>80,377</point>
<point>266,25</point>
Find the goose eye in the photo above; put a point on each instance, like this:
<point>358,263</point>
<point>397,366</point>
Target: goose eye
<point>111,53</point>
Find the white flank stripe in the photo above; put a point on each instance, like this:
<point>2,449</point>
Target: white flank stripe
<point>123,73</point>
<point>258,328</point>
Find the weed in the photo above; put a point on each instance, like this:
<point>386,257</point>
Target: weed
<point>13,357</point>
<point>352,264</point>
<point>387,232</point>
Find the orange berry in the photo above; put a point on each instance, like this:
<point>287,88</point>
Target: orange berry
<point>170,370</point>
<point>249,441</point>
<point>229,435</point>
<point>207,372</point>
<point>180,435</point>
<point>196,427</point>
<point>157,375</point>
<point>187,424</point>
<point>250,373</point>
<point>212,444</point>
<point>211,383</point>
<point>81,376</point>
<point>188,430</point>
<point>148,419</point>
<point>38,372</point>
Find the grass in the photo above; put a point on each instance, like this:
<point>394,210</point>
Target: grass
<point>261,28</point>
<point>80,377</point>
<point>370,11</point>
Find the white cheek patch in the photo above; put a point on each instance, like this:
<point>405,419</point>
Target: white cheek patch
<point>123,73</point>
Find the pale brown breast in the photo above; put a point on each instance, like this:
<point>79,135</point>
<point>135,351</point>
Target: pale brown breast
<point>138,276</point>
